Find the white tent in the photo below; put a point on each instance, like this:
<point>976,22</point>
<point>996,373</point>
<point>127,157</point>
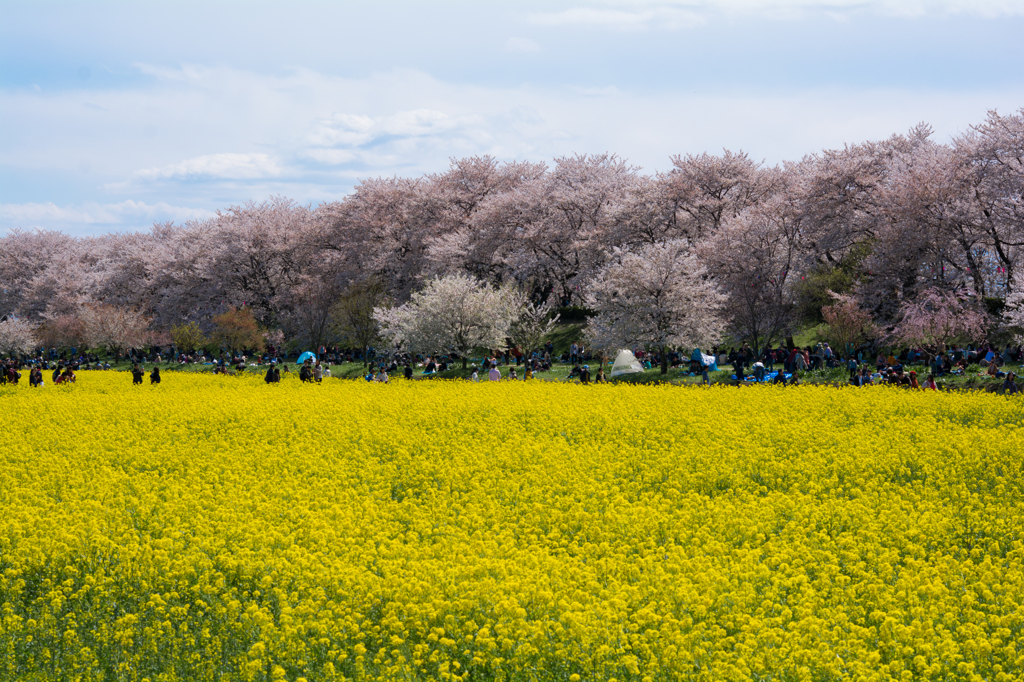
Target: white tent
<point>626,363</point>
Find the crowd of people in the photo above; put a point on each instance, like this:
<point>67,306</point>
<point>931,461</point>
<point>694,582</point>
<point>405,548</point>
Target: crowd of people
<point>866,364</point>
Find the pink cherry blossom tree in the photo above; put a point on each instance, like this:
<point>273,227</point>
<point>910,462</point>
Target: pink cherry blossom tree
<point>17,336</point>
<point>848,323</point>
<point>115,328</point>
<point>658,296</point>
<point>937,318</point>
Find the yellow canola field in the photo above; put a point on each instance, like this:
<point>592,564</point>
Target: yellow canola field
<point>216,528</point>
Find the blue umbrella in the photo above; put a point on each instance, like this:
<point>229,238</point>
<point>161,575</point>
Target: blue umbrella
<point>306,356</point>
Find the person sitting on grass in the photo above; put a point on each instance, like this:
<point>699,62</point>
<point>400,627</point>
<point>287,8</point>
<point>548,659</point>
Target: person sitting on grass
<point>795,379</point>
<point>993,370</point>
<point>1009,386</point>
<point>929,384</point>
<point>573,373</point>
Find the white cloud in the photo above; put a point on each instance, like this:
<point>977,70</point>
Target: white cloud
<point>318,134</point>
<point>127,214</point>
<point>618,19</point>
<point>382,140</point>
<point>631,15</point>
<point>525,45</point>
<point>218,166</point>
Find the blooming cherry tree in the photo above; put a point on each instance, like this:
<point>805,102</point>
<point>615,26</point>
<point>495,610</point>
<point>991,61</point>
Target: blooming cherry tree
<point>453,314</point>
<point>17,336</point>
<point>939,317</point>
<point>658,296</point>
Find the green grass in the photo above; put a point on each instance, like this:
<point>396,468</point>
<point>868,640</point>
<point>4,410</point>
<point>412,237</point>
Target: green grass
<point>567,333</point>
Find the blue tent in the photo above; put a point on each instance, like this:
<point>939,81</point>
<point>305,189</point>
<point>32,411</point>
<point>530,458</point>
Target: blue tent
<point>306,356</point>
<point>710,361</point>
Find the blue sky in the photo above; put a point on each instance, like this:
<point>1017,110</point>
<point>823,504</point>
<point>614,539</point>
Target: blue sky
<point>115,115</point>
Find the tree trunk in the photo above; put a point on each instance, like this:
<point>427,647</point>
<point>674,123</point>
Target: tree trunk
<point>464,359</point>
<point>664,359</point>
<point>366,360</point>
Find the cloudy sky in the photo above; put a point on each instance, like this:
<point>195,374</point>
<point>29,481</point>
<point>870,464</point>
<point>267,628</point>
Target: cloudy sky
<point>114,115</point>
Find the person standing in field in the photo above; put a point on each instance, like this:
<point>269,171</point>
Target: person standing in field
<point>137,374</point>
<point>318,373</point>
<point>494,374</point>
<point>154,376</point>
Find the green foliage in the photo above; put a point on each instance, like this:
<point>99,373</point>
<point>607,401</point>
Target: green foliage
<point>840,277</point>
<point>188,337</point>
<point>994,305</point>
<point>574,313</point>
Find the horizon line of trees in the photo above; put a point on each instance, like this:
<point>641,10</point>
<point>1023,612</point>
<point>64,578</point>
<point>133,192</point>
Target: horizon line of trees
<point>897,232</point>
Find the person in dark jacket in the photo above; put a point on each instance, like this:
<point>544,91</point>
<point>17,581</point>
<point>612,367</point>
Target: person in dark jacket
<point>154,376</point>
<point>35,377</point>
<point>137,374</point>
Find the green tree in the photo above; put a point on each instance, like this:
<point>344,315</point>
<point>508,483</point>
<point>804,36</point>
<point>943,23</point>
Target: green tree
<point>188,336</point>
<point>352,314</point>
<point>814,291</point>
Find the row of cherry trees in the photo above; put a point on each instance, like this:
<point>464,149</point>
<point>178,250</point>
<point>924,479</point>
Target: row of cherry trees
<point>888,223</point>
